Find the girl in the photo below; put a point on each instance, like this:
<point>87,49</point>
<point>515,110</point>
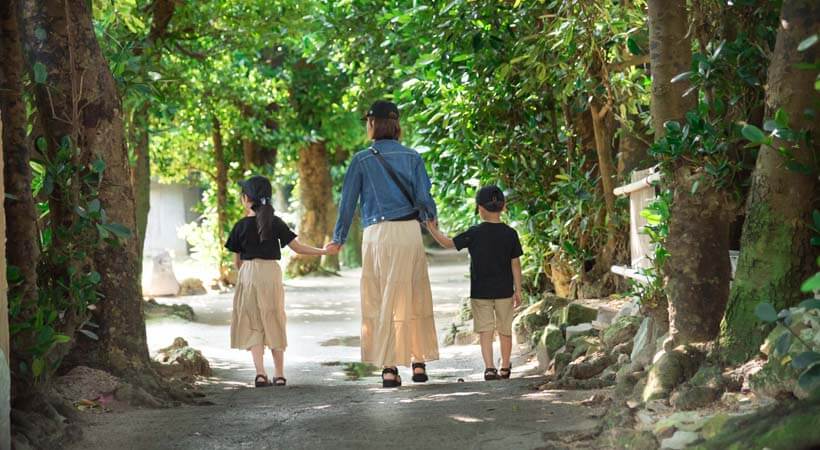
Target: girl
<point>258,319</point>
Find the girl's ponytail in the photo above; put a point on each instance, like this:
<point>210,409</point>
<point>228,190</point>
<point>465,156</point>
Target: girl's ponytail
<point>264,219</point>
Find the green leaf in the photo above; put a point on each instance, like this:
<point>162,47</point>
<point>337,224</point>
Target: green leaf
<point>806,43</point>
<point>811,303</point>
<point>753,134</point>
<point>121,231</point>
<point>783,343</point>
<point>681,77</point>
<point>40,73</point>
<point>781,117</point>
<point>695,187</point>
<point>94,205</point>
<point>37,366</point>
<point>61,338</point>
<point>766,312</point>
<point>40,34</point>
<point>672,126</point>
<point>810,379</point>
<point>41,144</point>
<point>812,284</point>
<point>94,277</point>
<point>90,334</point>
<point>805,359</point>
<point>815,217</point>
<point>633,47</point>
<point>98,166</point>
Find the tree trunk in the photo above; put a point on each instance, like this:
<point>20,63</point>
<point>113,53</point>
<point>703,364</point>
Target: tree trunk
<point>632,154</point>
<point>23,251</point>
<point>315,195</point>
<point>670,53</point>
<point>141,173</point>
<point>697,271</point>
<point>249,154</point>
<point>79,99</point>
<point>5,387</point>
<point>776,254</point>
<point>221,196</point>
<point>330,262</point>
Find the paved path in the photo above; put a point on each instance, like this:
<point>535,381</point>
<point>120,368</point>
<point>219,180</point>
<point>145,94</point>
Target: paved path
<point>323,407</point>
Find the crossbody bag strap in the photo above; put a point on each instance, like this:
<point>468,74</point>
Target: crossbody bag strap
<point>394,176</point>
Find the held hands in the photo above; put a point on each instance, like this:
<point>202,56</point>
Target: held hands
<point>332,248</point>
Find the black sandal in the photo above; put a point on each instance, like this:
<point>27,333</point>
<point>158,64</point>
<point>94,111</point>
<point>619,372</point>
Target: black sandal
<point>420,377</point>
<point>505,372</point>
<point>490,374</point>
<point>262,381</point>
<point>394,383</point>
<point>280,381</point>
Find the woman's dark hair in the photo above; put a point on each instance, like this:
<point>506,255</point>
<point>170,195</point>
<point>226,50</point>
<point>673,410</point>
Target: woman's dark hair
<point>386,128</point>
<point>264,219</point>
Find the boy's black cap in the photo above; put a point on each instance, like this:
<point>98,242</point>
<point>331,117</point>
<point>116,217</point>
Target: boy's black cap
<point>257,187</point>
<point>491,198</point>
<point>383,109</point>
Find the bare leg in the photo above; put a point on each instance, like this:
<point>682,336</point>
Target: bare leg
<point>258,353</point>
<point>486,339</point>
<point>278,362</point>
<point>506,349</point>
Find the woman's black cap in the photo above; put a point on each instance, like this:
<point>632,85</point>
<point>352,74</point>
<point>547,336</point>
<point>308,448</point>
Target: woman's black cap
<point>257,187</point>
<point>490,198</point>
<point>383,109</point>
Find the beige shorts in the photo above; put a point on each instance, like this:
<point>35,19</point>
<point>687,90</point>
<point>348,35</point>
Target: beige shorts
<point>492,315</point>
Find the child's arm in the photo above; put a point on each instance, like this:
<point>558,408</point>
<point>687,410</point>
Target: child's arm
<point>441,238</point>
<point>304,249</point>
<point>516,270</point>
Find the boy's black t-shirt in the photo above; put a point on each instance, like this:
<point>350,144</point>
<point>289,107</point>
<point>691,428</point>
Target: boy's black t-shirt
<point>244,239</point>
<point>492,248</point>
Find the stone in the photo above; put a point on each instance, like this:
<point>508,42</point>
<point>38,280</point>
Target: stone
<point>630,308</point>
<point>584,329</point>
<point>669,370</point>
<point>688,398</point>
<point>680,440</point>
<point>163,282</point>
<point>551,340</point>
<point>643,348</point>
<point>605,316</point>
<point>560,363</point>
<point>622,330</point>
<point>581,345</point>
<point>588,366</point>
<point>154,310</point>
<point>623,359</point>
<point>713,425</point>
<point>638,440</point>
<point>575,314</point>
<point>191,286</point>
<point>85,383</point>
<point>624,348</point>
<point>184,359</point>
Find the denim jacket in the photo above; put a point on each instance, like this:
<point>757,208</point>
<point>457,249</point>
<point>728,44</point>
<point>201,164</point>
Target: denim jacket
<point>381,199</point>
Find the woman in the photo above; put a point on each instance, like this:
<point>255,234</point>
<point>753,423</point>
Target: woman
<point>397,305</point>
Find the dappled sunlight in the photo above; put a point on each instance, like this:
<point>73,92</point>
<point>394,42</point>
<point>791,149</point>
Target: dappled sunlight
<point>466,419</point>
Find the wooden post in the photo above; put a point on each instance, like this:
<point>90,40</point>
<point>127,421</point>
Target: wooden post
<point>5,376</point>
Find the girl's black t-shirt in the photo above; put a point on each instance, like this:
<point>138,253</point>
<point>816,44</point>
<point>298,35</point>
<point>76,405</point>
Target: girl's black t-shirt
<point>492,248</point>
<point>244,239</point>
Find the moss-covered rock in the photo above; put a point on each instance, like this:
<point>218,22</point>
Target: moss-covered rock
<point>622,330</point>
<point>671,369</point>
<point>154,310</point>
<point>588,366</point>
<point>575,314</point>
<point>551,340</point>
<point>180,357</point>
<point>580,345</point>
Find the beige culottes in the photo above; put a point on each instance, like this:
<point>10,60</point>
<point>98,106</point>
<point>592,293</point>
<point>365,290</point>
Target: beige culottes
<point>259,306</point>
<point>397,304</point>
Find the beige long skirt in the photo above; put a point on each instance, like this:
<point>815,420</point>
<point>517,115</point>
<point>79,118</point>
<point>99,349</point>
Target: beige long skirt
<point>259,306</point>
<point>397,304</point>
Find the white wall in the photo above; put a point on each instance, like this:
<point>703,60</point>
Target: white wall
<point>170,206</point>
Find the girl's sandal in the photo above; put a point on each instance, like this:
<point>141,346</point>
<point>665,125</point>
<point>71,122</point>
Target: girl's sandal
<point>490,374</point>
<point>261,381</point>
<point>420,377</point>
<point>280,381</point>
<point>505,372</point>
<point>394,383</point>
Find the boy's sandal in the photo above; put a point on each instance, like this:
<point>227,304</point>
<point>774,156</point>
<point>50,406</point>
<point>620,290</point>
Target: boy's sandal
<point>280,381</point>
<point>394,383</point>
<point>505,372</point>
<point>490,373</point>
<point>261,381</point>
<point>420,377</point>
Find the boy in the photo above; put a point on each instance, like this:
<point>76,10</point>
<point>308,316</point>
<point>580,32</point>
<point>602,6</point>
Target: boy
<point>495,276</point>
